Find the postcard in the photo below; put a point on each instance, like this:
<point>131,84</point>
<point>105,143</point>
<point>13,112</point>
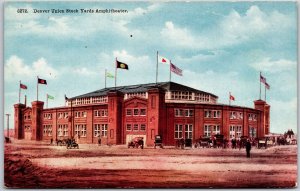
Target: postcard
<point>150,94</point>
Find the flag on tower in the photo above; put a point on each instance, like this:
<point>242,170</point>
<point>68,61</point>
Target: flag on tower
<point>267,85</point>
<point>263,79</point>
<point>109,75</point>
<point>49,96</point>
<point>163,60</point>
<point>22,86</point>
<point>42,81</point>
<point>231,97</point>
<point>122,65</point>
<point>176,70</point>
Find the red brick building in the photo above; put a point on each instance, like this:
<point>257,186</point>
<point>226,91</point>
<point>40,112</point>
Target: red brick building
<point>119,114</point>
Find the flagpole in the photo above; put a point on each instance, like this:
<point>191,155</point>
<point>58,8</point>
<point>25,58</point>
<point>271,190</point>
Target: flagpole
<point>229,98</point>
<point>259,86</point>
<point>170,69</point>
<point>47,100</point>
<point>37,88</point>
<point>265,93</point>
<point>116,74</point>
<point>20,92</point>
<point>156,66</point>
<point>105,78</point>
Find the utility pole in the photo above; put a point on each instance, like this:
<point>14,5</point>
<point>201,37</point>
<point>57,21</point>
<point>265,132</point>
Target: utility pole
<point>7,124</point>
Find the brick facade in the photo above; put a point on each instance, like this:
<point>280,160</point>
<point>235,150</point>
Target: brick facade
<point>120,118</point>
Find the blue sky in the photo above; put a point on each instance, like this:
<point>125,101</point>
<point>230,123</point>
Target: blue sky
<point>220,46</point>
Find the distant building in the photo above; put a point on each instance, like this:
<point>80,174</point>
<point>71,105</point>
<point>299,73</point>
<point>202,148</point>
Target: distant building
<point>116,115</point>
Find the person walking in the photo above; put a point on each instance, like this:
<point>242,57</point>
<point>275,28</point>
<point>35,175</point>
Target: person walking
<point>248,148</point>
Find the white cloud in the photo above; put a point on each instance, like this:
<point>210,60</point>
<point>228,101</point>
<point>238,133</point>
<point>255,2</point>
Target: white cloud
<point>274,66</point>
<point>233,29</point>
<point>84,71</point>
<point>15,66</point>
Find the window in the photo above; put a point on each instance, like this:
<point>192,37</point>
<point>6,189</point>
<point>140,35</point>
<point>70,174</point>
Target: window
<point>97,130</point>
<point>77,114</point>
<point>231,132</point>
<point>65,130</point>
<point>135,112</point>
<point>104,130</point>
<point>66,114</point>
<point>128,112</point>
<point>97,113</point>
<point>84,114</point>
<point>60,131</point>
<point>143,112</point>
<point>235,131</point>
<point>252,132</point>
<point>143,127</point>
<point>212,113</point>
<point>184,112</point>
<point>207,114</point>
<point>188,131</point>
<point>252,117</point>
<point>207,130</point>
<point>77,130</point>
<point>135,127</point>
<point>104,113</point>
<point>216,129</point>
<point>83,130</point>
<point>239,131</point>
<point>60,115</point>
<point>128,127</point>
<point>47,130</point>
<point>217,114</point>
<point>48,116</point>
<point>232,115</point>
<point>178,131</point>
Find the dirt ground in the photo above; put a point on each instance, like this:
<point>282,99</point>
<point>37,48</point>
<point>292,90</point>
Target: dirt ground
<point>40,165</point>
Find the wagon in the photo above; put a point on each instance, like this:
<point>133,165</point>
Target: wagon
<point>158,141</point>
<point>203,142</point>
<point>262,142</point>
<point>136,142</point>
<point>72,144</point>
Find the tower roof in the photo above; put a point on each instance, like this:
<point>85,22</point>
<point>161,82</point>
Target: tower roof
<point>167,86</point>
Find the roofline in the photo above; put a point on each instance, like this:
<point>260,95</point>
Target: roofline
<point>118,88</point>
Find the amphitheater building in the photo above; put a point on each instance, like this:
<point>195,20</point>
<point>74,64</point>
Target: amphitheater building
<point>118,114</point>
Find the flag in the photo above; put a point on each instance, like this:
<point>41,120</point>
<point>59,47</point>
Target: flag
<point>42,81</point>
<point>267,85</point>
<point>22,86</point>
<point>176,70</point>
<point>66,98</point>
<point>109,75</point>
<point>49,96</point>
<point>163,60</point>
<point>263,79</point>
<point>231,97</point>
<point>122,65</point>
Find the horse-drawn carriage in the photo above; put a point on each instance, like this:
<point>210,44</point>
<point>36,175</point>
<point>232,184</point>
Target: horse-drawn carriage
<point>72,144</point>
<point>182,143</point>
<point>158,142</point>
<point>262,142</point>
<point>61,142</point>
<point>136,142</point>
<point>203,142</point>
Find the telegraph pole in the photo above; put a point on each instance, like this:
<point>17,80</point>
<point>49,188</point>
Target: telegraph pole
<point>7,115</point>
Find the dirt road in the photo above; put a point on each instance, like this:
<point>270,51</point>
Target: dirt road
<point>38,165</point>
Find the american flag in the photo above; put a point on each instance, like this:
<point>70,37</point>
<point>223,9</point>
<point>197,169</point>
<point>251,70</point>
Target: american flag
<point>263,79</point>
<point>267,85</point>
<point>176,70</point>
